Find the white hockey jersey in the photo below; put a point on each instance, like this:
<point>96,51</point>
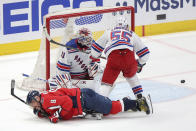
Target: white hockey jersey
<point>74,62</point>
<point>119,38</point>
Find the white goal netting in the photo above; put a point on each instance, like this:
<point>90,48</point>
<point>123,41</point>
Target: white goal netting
<point>61,27</point>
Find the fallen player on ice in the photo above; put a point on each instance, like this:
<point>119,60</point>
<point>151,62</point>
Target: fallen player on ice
<point>64,103</point>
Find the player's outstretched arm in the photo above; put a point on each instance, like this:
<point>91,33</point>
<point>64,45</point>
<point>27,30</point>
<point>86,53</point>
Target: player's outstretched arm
<point>142,52</point>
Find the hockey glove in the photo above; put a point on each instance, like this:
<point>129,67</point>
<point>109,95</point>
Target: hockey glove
<point>55,117</point>
<point>140,66</point>
<point>38,113</point>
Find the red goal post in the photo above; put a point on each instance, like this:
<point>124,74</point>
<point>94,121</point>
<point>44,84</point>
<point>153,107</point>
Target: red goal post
<point>77,13</point>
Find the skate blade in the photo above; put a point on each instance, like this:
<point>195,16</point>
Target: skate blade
<point>149,102</point>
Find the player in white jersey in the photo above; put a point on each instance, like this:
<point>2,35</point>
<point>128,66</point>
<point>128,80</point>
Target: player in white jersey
<point>76,64</point>
<point>120,46</point>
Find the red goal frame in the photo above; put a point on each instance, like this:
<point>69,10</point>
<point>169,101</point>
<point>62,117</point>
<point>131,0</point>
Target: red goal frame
<point>84,13</point>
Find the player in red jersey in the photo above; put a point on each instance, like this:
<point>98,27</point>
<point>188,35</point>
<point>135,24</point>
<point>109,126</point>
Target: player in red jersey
<point>64,103</point>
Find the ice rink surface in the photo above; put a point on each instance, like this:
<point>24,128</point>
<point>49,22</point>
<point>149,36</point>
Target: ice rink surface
<point>173,58</point>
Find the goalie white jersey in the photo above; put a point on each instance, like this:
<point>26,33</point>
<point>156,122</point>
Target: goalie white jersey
<point>119,38</point>
<point>73,61</point>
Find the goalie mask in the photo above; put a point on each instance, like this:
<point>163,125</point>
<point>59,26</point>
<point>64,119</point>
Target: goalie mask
<point>85,37</point>
<point>122,23</point>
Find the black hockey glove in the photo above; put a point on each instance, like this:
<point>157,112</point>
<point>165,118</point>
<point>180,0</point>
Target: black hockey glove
<point>140,66</point>
<point>38,113</point>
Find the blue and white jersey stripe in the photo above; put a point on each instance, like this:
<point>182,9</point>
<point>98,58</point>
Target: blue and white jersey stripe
<point>97,47</point>
<point>142,52</point>
<point>119,43</point>
<point>63,67</point>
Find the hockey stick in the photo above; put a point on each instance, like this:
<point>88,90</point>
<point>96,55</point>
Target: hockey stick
<point>57,43</point>
<point>12,91</point>
<point>44,113</point>
<point>40,79</point>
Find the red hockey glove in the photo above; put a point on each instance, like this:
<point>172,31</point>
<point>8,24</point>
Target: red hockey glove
<point>55,117</point>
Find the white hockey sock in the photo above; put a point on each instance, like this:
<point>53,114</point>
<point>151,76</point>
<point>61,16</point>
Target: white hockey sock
<point>105,90</point>
<point>134,82</point>
<point>122,105</point>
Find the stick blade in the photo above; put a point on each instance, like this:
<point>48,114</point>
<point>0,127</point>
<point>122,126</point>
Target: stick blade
<point>12,87</point>
<point>150,103</point>
<point>12,91</point>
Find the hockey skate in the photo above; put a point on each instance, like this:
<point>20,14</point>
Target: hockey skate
<point>129,104</point>
<point>145,104</point>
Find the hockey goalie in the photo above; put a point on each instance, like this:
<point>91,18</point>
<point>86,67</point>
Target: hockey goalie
<point>76,64</point>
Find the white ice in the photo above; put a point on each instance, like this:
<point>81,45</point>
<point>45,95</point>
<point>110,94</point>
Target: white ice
<point>173,58</point>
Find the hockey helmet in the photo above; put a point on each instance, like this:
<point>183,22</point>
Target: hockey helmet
<point>85,37</point>
<point>31,96</point>
<point>122,23</point>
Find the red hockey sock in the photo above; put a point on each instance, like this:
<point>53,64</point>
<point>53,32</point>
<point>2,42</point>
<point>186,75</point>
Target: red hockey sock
<point>116,107</point>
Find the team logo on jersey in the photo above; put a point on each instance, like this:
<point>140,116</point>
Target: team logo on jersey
<point>80,62</point>
<point>83,82</point>
<point>52,101</point>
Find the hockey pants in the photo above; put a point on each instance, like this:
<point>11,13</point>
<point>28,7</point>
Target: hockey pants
<point>91,100</point>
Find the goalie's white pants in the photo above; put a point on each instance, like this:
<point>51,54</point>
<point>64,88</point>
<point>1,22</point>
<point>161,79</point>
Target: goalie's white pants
<point>92,84</point>
<point>104,90</point>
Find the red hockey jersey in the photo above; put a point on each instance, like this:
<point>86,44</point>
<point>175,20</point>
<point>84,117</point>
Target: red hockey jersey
<point>67,101</point>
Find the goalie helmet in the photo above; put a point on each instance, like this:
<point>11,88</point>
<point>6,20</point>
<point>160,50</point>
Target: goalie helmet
<point>85,37</point>
<point>122,23</point>
<point>31,96</point>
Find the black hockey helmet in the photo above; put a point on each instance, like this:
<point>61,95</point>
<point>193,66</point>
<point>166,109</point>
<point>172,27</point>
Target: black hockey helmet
<point>31,96</point>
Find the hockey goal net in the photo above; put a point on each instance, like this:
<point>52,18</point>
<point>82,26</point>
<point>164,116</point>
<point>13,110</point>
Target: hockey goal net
<point>61,27</point>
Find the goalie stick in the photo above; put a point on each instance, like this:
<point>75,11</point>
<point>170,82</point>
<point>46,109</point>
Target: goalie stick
<point>57,43</point>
